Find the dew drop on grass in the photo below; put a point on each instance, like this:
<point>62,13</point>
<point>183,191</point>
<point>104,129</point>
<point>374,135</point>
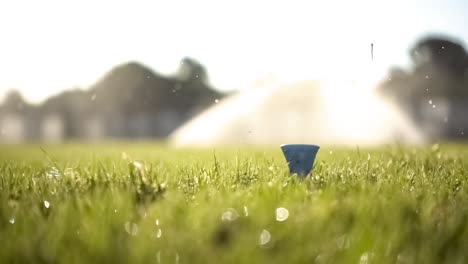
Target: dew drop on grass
<point>54,173</point>
<point>264,237</point>
<point>343,242</point>
<point>68,172</point>
<point>46,204</point>
<point>282,214</point>
<point>230,215</point>
<point>137,165</point>
<point>364,258</point>
<point>131,228</point>
<point>320,259</point>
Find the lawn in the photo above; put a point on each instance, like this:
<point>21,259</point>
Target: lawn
<point>147,203</point>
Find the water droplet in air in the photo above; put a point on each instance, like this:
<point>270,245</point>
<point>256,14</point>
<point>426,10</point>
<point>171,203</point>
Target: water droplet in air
<point>433,106</point>
<point>93,97</point>
<point>216,101</point>
<point>246,211</point>
<point>157,222</point>
<point>46,204</point>
<point>282,214</point>
<point>430,101</point>
<point>463,133</point>
<point>427,76</point>
<point>264,237</point>
<point>445,119</point>
<point>115,210</point>
<point>230,215</point>
<point>147,77</point>
<point>331,152</point>
<point>11,220</point>
<point>159,233</point>
<point>196,76</point>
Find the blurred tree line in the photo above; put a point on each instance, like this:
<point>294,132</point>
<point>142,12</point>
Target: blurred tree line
<point>133,101</point>
<point>434,92</point>
<point>129,101</point>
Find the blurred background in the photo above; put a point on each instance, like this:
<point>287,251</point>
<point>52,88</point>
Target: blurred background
<point>214,72</point>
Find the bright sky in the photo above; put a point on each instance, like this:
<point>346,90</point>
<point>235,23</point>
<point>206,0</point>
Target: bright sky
<point>48,46</point>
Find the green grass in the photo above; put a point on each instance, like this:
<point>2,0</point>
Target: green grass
<point>147,203</point>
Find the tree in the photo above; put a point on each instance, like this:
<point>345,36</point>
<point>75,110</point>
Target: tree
<point>445,54</point>
<point>192,71</point>
<point>14,102</point>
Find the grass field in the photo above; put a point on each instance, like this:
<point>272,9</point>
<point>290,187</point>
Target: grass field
<point>147,203</point>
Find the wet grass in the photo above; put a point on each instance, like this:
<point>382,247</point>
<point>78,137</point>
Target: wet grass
<point>147,203</point>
